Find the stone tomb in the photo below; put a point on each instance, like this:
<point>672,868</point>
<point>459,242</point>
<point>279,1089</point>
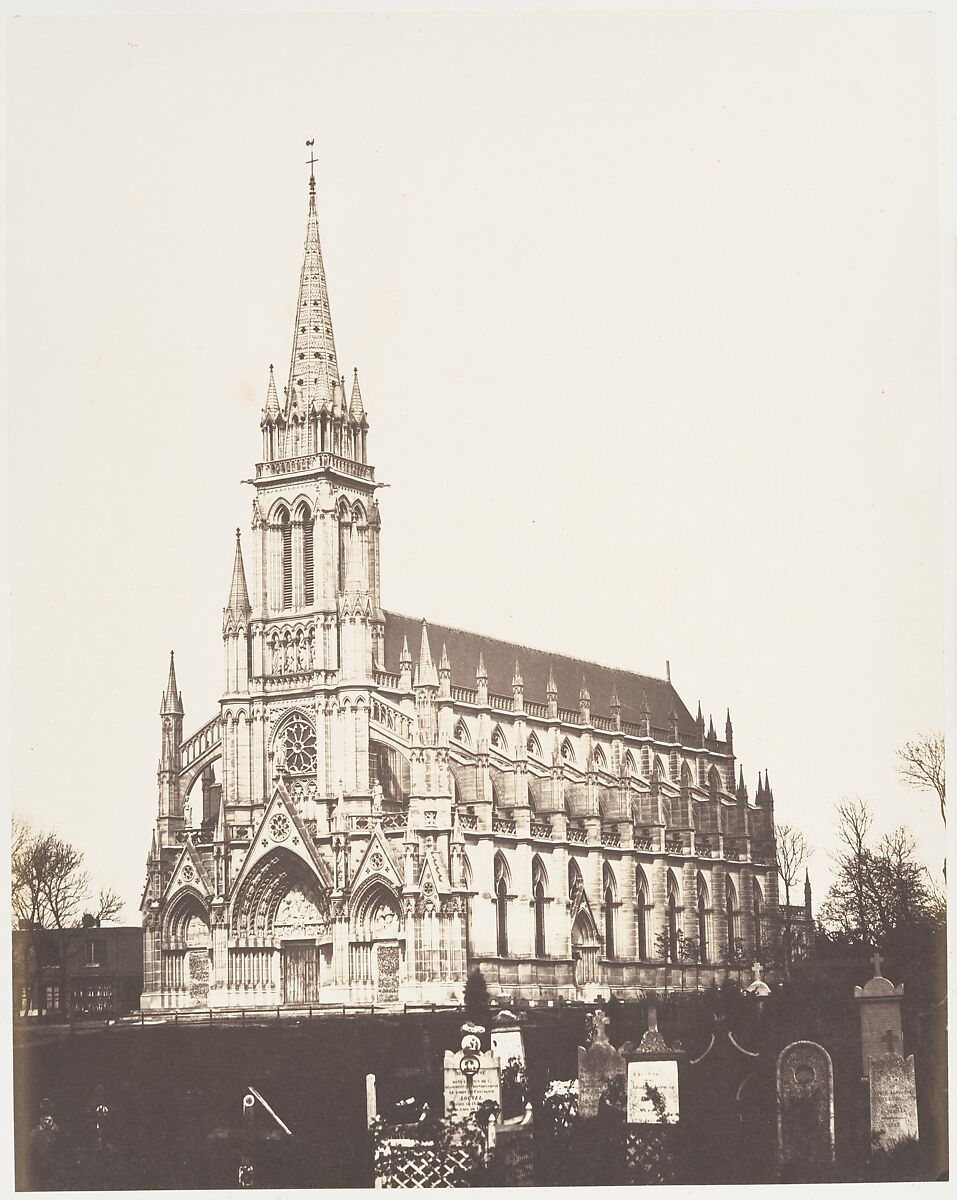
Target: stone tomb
<point>470,1076</point>
<point>805,1086</point>
<point>880,1012</point>
<point>599,1064</point>
<point>893,1096</point>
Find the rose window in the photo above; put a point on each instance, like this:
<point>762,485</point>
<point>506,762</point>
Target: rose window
<point>299,742</point>
<point>279,827</point>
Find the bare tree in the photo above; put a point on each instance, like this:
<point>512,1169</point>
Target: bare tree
<point>51,896</point>
<point>882,896</point>
<point>792,854</point>
<point>921,765</point>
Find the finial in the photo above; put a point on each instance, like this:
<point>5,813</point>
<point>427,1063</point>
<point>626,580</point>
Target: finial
<point>312,166</point>
<point>237,533</point>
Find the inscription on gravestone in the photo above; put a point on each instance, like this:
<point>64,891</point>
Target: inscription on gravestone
<point>893,1095</point>
<point>470,1076</point>
<point>653,1092</point>
<point>598,1064</point>
<point>468,1092</point>
<point>805,1085</point>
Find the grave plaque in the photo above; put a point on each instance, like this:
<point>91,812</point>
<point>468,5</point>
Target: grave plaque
<point>468,1089</point>
<point>893,1093</point>
<point>805,1084</point>
<point>598,1065</point>
<point>652,1091</point>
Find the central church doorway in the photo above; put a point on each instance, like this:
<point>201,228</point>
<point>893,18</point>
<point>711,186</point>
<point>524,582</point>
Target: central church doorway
<point>300,973</point>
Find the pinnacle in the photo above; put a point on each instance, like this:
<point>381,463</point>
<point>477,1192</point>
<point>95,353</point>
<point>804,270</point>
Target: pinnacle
<point>272,397</point>
<point>551,687</point>
<point>238,602</point>
<point>444,664</point>
<point>425,675</point>
<point>517,680</point>
<point>172,699</point>
<point>481,673</point>
<point>405,656</point>
<point>356,410</point>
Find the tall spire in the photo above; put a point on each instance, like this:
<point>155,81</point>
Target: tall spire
<point>238,603</point>
<point>313,368</point>
<point>172,698</point>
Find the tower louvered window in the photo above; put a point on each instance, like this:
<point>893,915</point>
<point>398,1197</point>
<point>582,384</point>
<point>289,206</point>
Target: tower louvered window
<point>307,589</point>
<point>286,562</point>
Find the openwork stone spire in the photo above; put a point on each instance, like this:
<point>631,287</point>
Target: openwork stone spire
<point>313,369</point>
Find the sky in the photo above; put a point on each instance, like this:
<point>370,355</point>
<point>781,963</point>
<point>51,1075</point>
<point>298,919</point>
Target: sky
<point>646,315</point>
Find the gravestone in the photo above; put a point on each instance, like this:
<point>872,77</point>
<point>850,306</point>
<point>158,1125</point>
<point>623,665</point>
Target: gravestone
<point>757,986</point>
<point>893,1096</point>
<point>805,1085</point>
<point>652,1110</point>
<point>880,1011</point>
<point>652,1095</point>
<point>598,1065</point>
<point>470,1076</point>
<point>507,1040</point>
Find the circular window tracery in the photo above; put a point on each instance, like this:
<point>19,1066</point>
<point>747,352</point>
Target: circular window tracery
<point>279,827</point>
<point>299,742</point>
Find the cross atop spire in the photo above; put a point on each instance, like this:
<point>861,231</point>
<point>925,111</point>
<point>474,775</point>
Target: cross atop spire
<point>312,166</point>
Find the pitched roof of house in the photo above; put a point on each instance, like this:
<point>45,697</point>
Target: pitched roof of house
<point>500,658</point>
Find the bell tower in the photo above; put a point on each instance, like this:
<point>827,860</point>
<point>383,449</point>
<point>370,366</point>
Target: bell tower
<point>312,622</point>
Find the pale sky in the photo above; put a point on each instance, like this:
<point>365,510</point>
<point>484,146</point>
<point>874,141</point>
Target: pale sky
<point>645,311</point>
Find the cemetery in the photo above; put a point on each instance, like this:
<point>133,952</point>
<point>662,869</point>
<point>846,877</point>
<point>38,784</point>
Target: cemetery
<point>725,1086</point>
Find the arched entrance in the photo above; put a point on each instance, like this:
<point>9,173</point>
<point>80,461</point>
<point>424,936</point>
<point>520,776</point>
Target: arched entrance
<point>585,950</point>
<point>376,952</point>
<point>299,926</point>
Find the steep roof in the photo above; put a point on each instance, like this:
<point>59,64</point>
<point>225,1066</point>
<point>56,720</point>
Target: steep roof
<point>500,657</point>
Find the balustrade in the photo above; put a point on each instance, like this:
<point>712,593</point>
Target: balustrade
<point>610,839</point>
<point>675,846</point>
<point>464,694</point>
<point>577,835</point>
<point>468,820</point>
<point>315,462</point>
<point>501,825</point>
<point>644,843</point>
<point>541,829</point>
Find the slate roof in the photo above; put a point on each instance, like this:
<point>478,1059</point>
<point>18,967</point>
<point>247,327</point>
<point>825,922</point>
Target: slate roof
<point>500,658</point>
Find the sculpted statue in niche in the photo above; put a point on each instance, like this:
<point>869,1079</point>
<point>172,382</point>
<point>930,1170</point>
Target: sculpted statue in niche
<point>187,814</point>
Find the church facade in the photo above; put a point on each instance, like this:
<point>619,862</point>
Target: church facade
<point>381,805</point>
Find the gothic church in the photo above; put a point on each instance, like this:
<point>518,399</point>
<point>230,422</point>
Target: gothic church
<point>380,805</point>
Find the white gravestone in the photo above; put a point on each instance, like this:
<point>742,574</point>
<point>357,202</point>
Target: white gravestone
<point>652,1092</point>
<point>470,1077</point>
